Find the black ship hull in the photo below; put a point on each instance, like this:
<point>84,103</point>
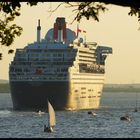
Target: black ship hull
<point>33,95</point>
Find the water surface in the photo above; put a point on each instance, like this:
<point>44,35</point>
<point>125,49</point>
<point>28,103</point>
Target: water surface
<point>74,124</point>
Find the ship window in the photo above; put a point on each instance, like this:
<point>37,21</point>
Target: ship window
<point>34,54</point>
<point>89,96</point>
<point>48,54</point>
<point>83,88</point>
<point>54,55</point>
<point>83,97</point>
<point>44,54</point>
<point>59,55</point>
<point>64,70</point>
<point>58,70</point>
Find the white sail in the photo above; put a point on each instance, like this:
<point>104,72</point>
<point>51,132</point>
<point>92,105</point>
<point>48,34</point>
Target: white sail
<point>51,115</point>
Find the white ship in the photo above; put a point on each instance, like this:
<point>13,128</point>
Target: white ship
<point>62,68</point>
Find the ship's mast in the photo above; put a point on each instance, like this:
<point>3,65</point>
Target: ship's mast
<point>38,31</point>
<point>77,30</point>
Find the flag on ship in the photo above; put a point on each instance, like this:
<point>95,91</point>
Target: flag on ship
<point>80,30</point>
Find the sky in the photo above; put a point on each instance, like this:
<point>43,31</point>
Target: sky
<point>115,29</point>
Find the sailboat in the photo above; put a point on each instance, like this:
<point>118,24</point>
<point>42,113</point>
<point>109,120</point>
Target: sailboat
<point>51,119</point>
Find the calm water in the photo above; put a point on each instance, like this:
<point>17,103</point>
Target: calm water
<point>106,124</point>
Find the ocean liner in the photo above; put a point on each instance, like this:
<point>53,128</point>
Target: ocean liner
<point>62,68</point>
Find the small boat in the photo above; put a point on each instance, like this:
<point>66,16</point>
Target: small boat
<point>135,110</point>
<point>51,119</point>
<point>92,113</point>
<point>125,118</point>
<point>40,112</point>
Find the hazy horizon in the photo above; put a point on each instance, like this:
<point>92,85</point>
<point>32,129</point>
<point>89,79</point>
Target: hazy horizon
<point>115,29</point>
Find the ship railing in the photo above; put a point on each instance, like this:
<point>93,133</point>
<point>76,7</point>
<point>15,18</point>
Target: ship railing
<point>20,50</point>
<point>37,78</point>
<point>91,43</point>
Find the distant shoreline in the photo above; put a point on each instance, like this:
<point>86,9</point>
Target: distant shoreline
<point>5,88</point>
<point>121,88</point>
